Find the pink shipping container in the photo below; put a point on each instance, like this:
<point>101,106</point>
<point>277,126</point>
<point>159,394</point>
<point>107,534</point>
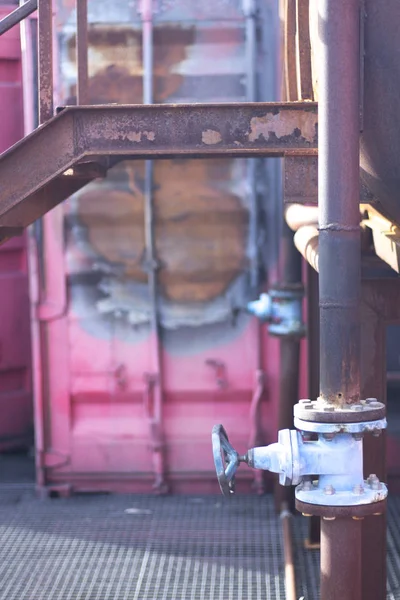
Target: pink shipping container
<point>121,402</point>
<point>16,407</point>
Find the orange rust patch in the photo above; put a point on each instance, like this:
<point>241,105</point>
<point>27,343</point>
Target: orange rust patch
<point>200,224</point>
<point>201,228</point>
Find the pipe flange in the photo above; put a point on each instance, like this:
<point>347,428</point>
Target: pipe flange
<point>336,512</point>
<point>319,411</point>
<point>371,492</point>
<point>374,427</point>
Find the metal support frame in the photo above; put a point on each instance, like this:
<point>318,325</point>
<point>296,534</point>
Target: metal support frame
<point>155,414</point>
<point>100,136</point>
<point>17,15</point>
<point>82,96</point>
<point>45,60</point>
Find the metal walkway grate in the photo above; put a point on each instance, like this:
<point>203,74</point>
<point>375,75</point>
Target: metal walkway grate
<point>137,548</point>
<point>102,547</point>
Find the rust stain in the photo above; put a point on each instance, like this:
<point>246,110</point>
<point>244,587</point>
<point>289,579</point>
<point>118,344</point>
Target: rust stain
<point>211,137</point>
<point>201,228</point>
<point>200,224</point>
<point>115,62</point>
<point>273,125</point>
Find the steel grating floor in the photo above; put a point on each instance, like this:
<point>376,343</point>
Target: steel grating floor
<point>106,547</point>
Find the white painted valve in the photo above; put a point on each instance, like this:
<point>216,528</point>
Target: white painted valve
<point>327,471</point>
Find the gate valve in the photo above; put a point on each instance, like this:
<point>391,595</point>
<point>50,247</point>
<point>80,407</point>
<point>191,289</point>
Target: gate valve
<point>327,470</point>
<point>277,458</point>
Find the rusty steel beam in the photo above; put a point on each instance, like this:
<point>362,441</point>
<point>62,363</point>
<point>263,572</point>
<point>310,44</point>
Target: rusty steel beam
<point>17,15</point>
<point>303,51</point>
<point>87,133</point>
<point>300,180</point>
<point>45,60</point>
<point>82,52</point>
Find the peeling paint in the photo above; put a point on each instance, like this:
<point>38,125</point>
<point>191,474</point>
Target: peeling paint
<point>294,124</point>
<point>211,137</point>
<point>134,136</point>
<point>151,136</point>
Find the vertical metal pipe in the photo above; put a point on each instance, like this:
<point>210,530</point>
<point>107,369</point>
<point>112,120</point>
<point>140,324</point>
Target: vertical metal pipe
<point>82,95</point>
<point>45,60</point>
<point>314,530</point>
<point>339,260</point>
<point>340,563</point>
<point>338,200</point>
<point>151,259</point>
<point>289,274</point>
<point>249,9</point>
<point>290,575</point>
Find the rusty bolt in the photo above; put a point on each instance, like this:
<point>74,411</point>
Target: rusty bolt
<point>306,515</point>
<point>376,433</point>
<point>308,406</point>
<point>329,490</point>
<point>358,436</point>
<point>306,436</point>
<point>357,407</point>
<point>328,436</point>
<point>329,518</point>
<point>369,400</point>
<point>358,518</point>
<point>358,489</point>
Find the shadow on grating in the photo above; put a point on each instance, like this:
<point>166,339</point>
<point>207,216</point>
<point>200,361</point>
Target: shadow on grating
<point>106,547</point>
<point>130,547</point>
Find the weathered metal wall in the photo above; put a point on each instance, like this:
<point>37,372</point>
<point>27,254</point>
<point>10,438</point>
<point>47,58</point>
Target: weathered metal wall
<point>95,417</point>
<point>16,410</point>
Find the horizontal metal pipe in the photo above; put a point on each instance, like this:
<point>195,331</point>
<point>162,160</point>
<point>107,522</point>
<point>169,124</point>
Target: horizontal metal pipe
<point>298,215</point>
<point>17,15</point>
<point>306,240</point>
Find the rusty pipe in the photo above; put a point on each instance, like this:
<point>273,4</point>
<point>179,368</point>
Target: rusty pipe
<point>290,273</point>
<point>339,259</point>
<point>290,575</point>
<point>340,562</point>
<point>338,201</point>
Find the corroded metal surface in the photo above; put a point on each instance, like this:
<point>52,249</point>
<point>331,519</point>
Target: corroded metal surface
<point>45,59</point>
<point>156,131</point>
